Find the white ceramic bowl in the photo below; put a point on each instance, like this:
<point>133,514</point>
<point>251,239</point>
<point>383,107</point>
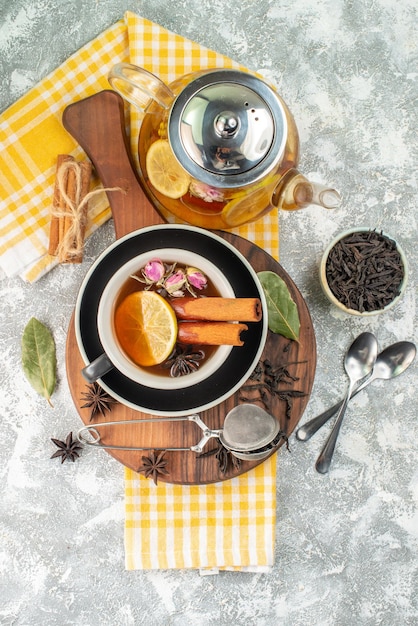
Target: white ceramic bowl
<point>105,319</point>
<point>330,295</point>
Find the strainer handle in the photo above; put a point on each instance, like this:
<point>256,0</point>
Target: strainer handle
<point>95,442</point>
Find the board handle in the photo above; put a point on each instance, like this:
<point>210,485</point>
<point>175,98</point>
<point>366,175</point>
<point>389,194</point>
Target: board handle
<point>97,123</point>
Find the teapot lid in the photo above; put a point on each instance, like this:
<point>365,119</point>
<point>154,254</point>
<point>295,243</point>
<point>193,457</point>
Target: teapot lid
<point>227,128</point>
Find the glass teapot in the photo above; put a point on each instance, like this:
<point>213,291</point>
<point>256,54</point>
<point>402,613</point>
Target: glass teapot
<point>217,148</point>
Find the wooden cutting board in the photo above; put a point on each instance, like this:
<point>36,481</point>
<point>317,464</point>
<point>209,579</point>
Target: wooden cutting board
<point>98,124</point>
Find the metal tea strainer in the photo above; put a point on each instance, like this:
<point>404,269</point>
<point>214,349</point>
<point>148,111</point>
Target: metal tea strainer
<point>249,433</point>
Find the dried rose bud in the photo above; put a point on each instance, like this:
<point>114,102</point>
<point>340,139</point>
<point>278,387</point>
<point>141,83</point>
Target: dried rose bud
<point>196,278</point>
<point>206,192</point>
<point>154,270</point>
<point>175,282</point>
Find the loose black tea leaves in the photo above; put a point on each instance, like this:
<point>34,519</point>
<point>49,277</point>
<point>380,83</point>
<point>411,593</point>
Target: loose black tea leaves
<point>265,382</point>
<point>364,271</point>
<point>226,461</point>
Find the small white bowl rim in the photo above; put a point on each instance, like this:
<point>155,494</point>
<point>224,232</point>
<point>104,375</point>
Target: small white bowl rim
<point>324,282</point>
<point>106,309</point>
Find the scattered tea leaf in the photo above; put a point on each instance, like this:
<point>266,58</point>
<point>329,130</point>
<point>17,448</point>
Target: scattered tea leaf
<point>283,317</point>
<point>39,358</point>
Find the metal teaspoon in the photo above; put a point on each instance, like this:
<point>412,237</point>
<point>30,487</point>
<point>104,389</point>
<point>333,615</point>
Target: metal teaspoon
<point>391,362</point>
<point>358,363</point>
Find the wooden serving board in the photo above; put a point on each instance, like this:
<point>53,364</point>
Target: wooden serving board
<point>97,123</point>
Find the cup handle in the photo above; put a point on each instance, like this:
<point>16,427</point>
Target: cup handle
<point>97,368</point>
<point>139,87</point>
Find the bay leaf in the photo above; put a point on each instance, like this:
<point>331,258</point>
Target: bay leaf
<point>283,316</point>
<point>39,360</point>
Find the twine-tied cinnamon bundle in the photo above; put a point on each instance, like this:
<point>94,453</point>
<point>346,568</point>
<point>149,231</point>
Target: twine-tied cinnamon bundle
<point>69,208</point>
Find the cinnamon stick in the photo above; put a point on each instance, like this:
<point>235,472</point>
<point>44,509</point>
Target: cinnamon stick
<point>71,192</point>
<point>86,171</point>
<point>218,309</point>
<point>211,333</point>
<point>56,229</point>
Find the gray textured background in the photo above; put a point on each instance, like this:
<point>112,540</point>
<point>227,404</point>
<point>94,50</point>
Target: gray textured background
<point>347,543</point>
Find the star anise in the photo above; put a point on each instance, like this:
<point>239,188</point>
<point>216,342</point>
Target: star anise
<point>183,360</point>
<point>153,466</point>
<point>68,449</point>
<point>97,400</point>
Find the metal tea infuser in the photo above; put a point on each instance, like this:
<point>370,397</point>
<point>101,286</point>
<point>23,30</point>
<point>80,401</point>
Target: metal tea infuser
<point>248,433</point>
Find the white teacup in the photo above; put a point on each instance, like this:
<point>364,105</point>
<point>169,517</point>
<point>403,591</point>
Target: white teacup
<point>115,357</point>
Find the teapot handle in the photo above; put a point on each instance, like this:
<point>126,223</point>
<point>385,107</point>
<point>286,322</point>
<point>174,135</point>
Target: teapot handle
<point>139,87</point>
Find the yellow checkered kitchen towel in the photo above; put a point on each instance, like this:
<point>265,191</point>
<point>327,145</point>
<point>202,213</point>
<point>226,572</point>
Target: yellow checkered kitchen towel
<point>227,525</point>
<point>32,135</point>
<point>230,524</point>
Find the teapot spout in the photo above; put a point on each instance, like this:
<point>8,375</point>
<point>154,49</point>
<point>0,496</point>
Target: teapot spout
<point>296,192</point>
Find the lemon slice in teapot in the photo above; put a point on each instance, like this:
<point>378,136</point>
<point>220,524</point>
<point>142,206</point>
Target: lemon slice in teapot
<point>249,207</point>
<point>165,173</point>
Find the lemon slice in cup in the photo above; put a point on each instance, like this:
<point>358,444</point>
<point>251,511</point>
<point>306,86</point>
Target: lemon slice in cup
<point>146,327</point>
<point>164,172</point>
